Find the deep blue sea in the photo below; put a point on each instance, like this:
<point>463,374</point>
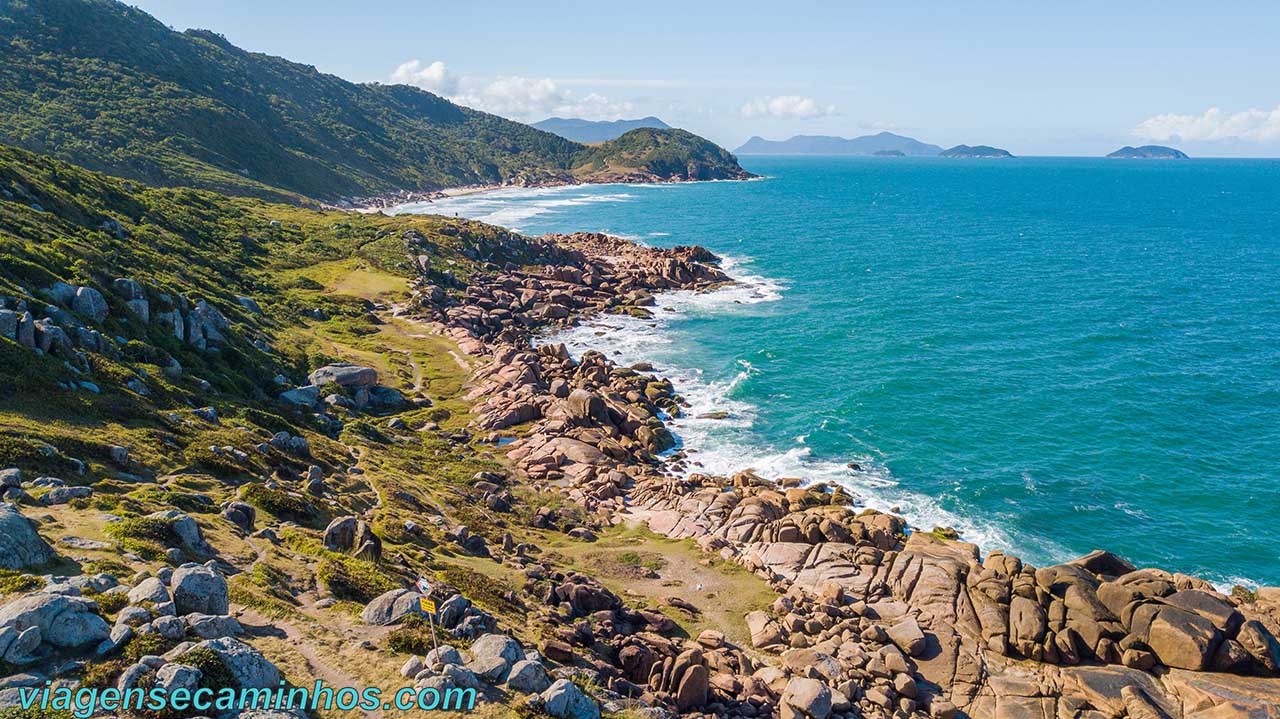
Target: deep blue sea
<point>1051,355</point>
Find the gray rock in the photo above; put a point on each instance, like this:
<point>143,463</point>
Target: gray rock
<point>9,324</point>
<point>171,628</point>
<point>305,396</point>
<point>120,634</point>
<point>10,477</point>
<point>497,645</point>
<point>173,677</point>
<point>441,656</point>
<point>26,331</point>
<point>60,292</point>
<point>187,530</point>
<point>128,289</point>
<point>23,646</point>
<point>391,607</point>
<point>33,610</point>
<point>199,589</point>
<point>209,626</point>
<point>151,590</point>
<point>565,700</point>
<point>240,514</point>
<point>412,668</point>
<point>90,303</point>
<point>528,677</point>
<point>62,495</point>
<point>345,375</point>
<point>452,610</point>
<point>77,626</point>
<point>20,545</point>
<point>133,616</point>
<point>247,665</point>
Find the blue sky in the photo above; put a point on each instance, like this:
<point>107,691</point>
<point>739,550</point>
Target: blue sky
<point>1078,78</point>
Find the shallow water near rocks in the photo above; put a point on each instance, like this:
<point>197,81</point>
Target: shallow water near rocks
<point>1051,355</point>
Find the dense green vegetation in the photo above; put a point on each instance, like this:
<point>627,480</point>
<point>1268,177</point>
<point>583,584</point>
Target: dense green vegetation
<point>108,87</point>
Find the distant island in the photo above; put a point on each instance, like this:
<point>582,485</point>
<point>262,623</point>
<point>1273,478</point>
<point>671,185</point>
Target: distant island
<point>976,151</point>
<point>829,145</point>
<point>889,153</point>
<point>592,131</point>
<point>1149,152</point>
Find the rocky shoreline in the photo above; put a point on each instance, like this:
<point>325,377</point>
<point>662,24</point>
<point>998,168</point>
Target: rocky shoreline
<point>869,619</point>
<point>872,620</point>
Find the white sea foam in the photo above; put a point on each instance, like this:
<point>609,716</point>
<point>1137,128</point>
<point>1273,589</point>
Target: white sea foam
<point>713,445</point>
<point>723,444</point>
<point>511,207</point>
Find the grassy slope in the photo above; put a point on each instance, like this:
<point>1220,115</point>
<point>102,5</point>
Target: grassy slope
<point>106,86</point>
<point>202,244</point>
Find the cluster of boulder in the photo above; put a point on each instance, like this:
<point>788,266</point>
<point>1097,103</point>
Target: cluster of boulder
<point>60,626</point>
<point>360,390</point>
<point>874,620</point>
<point>74,316</point>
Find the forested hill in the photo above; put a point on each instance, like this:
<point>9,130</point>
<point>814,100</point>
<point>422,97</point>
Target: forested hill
<point>107,86</point>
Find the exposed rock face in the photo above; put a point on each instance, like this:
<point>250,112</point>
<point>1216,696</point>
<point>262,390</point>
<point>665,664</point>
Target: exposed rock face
<point>20,545</point>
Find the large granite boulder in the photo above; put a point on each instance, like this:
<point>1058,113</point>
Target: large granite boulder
<point>528,677</point>
<point>247,666</point>
<point>806,698</point>
<point>353,535</point>
<point>90,303</point>
<point>1179,638</point>
<point>492,656</point>
<point>564,700</point>
<point>391,607</point>
<point>55,620</point>
<point>344,374</point>
<point>20,545</point>
<point>199,589</point>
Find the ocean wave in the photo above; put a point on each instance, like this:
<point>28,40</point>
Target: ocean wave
<point>715,430</point>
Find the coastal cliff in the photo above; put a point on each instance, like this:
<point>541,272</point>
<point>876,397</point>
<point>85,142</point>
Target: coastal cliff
<point>233,435</point>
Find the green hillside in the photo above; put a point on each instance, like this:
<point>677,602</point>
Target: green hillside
<point>108,87</point>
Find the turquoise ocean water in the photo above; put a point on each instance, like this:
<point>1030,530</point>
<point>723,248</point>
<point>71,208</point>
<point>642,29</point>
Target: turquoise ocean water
<point>1051,355</point>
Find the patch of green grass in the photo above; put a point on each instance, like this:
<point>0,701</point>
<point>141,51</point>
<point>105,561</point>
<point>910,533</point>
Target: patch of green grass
<point>148,537</point>
<point>216,675</point>
<point>353,579</point>
<point>15,582</point>
<point>281,504</point>
<point>414,636</point>
<point>111,602</point>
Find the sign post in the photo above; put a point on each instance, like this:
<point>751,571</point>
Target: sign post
<point>428,607</point>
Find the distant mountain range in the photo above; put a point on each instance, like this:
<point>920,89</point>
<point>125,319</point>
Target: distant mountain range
<point>976,151</point>
<point>590,131</point>
<point>881,143</point>
<point>1149,152</point>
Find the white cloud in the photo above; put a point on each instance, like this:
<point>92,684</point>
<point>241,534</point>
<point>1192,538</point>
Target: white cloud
<point>511,95</point>
<point>1254,125</point>
<point>432,78</point>
<point>787,106</point>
